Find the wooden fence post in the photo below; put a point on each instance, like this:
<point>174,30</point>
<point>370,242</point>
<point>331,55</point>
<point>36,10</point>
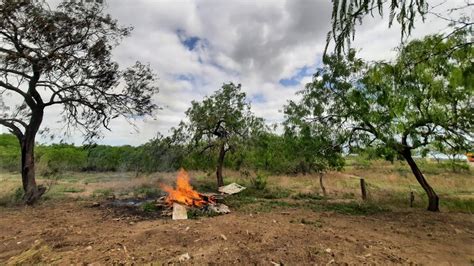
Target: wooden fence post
<point>412,198</point>
<point>363,189</point>
<point>323,188</point>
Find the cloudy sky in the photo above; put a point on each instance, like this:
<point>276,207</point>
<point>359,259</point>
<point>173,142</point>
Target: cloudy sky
<point>271,47</point>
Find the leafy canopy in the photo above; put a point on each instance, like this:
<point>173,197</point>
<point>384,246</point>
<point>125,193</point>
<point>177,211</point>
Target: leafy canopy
<point>63,57</point>
<point>222,118</point>
<point>346,14</point>
<point>395,106</point>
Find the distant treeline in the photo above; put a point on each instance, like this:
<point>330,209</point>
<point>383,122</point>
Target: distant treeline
<point>268,152</point>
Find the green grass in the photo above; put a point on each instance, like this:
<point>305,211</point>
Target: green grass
<point>12,198</point>
<point>252,200</point>
<point>457,205</point>
<point>73,190</point>
<point>347,208</point>
<point>149,207</point>
<point>147,191</point>
<point>352,208</point>
<point>312,196</point>
<point>262,205</point>
<point>54,192</point>
<point>102,193</point>
<point>388,188</point>
<point>252,195</point>
<point>315,223</point>
<point>204,184</point>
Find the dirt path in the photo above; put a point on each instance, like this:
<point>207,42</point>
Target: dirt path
<point>73,232</point>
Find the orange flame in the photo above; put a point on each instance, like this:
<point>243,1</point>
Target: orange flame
<point>184,192</point>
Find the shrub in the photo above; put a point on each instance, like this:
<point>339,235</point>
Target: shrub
<point>259,182</point>
<point>147,191</point>
<point>149,207</point>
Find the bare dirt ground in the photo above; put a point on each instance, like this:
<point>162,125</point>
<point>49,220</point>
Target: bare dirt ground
<point>71,231</point>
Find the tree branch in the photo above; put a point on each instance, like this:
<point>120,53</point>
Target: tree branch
<point>29,100</point>
<point>15,72</point>
<point>13,128</point>
<point>206,148</point>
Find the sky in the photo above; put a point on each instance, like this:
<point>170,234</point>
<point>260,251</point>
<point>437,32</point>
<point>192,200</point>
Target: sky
<point>271,47</point>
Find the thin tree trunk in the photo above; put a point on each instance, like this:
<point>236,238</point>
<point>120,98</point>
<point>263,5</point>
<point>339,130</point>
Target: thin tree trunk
<point>220,164</point>
<point>433,199</point>
<point>412,199</point>
<point>321,184</point>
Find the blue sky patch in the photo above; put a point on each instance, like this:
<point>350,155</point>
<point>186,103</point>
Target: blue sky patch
<point>185,77</point>
<point>258,98</point>
<point>297,77</point>
<point>190,42</point>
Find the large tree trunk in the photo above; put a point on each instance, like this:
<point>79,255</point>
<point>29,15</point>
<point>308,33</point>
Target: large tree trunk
<point>220,164</point>
<point>433,199</point>
<point>32,191</point>
<point>321,175</point>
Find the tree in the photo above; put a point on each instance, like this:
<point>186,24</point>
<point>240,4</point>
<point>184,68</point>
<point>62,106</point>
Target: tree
<point>62,58</point>
<point>162,154</point>
<point>347,13</point>
<point>394,108</point>
<point>315,147</point>
<point>221,122</point>
<point>268,151</point>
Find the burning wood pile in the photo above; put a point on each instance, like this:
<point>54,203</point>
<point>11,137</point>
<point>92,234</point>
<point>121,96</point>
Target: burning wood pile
<point>184,197</point>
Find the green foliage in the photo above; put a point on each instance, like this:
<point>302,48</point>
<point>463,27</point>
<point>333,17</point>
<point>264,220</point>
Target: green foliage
<point>310,196</point>
<point>347,13</point>
<point>73,190</point>
<point>18,195</point>
<point>147,191</point>
<point>59,158</point>
<point>223,118</point>
<point>392,109</point>
<point>109,158</point>
<point>269,199</point>
<point>85,101</point>
<point>443,166</point>
<point>259,182</point>
<point>398,105</point>
<point>9,153</point>
<point>264,153</point>
<point>252,195</point>
<point>269,152</point>
<point>221,123</point>
<point>459,205</point>
<point>161,154</point>
<point>149,207</point>
<point>12,198</point>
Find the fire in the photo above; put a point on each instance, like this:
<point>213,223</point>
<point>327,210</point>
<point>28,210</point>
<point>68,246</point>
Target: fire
<point>184,192</point>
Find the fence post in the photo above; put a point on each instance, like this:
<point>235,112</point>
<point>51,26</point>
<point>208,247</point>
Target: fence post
<point>363,189</point>
<point>412,198</point>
